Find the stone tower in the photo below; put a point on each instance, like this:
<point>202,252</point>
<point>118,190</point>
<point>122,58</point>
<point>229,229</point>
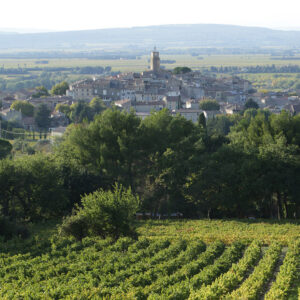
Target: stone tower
<point>155,61</point>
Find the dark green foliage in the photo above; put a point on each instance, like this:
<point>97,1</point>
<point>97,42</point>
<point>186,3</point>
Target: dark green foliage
<point>31,188</point>
<point>5,148</point>
<point>181,70</point>
<point>9,229</point>
<point>42,116</point>
<point>104,213</point>
<point>209,105</point>
<point>250,103</point>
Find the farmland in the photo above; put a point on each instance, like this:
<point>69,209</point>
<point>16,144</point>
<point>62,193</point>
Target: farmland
<point>141,64</point>
<point>180,259</point>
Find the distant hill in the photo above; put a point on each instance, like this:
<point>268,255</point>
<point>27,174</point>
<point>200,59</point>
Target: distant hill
<point>198,35</point>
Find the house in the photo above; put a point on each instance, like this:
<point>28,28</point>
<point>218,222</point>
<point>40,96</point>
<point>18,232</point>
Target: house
<point>192,104</point>
<point>233,109</point>
<point>11,115</point>
<point>58,131</point>
<point>148,106</point>
<point>51,102</point>
<point>172,102</point>
<point>124,104</point>
<point>189,114</point>
<point>210,114</point>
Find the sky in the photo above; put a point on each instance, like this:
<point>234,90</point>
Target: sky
<point>62,15</point>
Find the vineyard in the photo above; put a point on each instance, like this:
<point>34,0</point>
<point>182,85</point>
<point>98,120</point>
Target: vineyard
<point>164,263</point>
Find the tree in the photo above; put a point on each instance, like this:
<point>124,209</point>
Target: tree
<point>26,108</point>
<point>60,88</point>
<point>181,70</point>
<point>97,105</point>
<point>5,148</point>
<point>250,103</point>
<point>81,111</point>
<point>42,116</point>
<point>31,188</point>
<point>209,105</point>
<point>41,91</point>
<point>63,108</point>
<point>104,213</point>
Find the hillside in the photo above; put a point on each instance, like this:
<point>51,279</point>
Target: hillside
<point>197,35</point>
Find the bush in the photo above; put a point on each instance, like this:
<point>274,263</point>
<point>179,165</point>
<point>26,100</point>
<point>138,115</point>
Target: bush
<point>104,213</point>
<point>75,225</point>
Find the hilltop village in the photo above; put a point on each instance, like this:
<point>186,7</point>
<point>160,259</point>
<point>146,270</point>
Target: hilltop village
<point>158,88</point>
<point>152,90</point>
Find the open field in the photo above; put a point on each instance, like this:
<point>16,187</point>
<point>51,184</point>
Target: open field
<point>171,260</point>
<point>141,64</point>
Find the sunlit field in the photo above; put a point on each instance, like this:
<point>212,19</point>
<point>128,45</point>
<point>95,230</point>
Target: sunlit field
<point>179,259</point>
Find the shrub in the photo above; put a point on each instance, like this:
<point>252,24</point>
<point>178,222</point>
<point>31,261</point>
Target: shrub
<point>104,213</point>
<point>75,226</point>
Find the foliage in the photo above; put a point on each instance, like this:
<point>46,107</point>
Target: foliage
<point>42,116</point>
<point>209,105</point>
<point>5,148</point>
<point>250,103</point>
<point>181,70</point>
<point>41,91</point>
<point>26,108</point>
<point>31,188</point>
<point>161,264</point>
<point>104,213</point>
<point>60,88</point>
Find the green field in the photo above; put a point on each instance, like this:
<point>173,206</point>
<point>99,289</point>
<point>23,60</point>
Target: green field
<point>183,259</point>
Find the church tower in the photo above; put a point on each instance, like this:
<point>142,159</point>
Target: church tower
<point>155,61</point>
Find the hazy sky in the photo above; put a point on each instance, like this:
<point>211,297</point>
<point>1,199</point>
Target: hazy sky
<point>92,14</point>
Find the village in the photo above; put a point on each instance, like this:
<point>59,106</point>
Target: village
<point>152,90</point>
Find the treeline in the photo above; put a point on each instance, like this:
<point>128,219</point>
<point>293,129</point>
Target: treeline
<point>237,166</point>
<point>255,69</point>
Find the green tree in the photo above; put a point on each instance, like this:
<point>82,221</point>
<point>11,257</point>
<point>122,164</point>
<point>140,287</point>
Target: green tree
<point>81,111</point>
<point>104,213</point>
<point>97,105</point>
<point>31,188</point>
<point>42,116</point>
<point>63,108</point>
<point>60,88</point>
<point>209,105</point>
<point>41,91</point>
<point>250,103</point>
<point>5,148</point>
<point>26,108</point>
<point>181,70</point>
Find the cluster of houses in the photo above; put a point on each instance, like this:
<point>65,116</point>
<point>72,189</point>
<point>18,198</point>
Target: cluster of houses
<point>58,120</point>
<point>156,89</point>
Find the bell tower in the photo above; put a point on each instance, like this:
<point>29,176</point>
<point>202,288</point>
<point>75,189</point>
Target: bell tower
<point>155,61</point>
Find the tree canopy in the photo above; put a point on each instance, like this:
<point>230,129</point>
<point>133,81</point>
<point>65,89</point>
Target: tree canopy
<point>209,105</point>
<point>41,91</point>
<point>250,103</point>
<point>42,116</point>
<point>26,108</point>
<point>60,88</point>
<point>182,70</point>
